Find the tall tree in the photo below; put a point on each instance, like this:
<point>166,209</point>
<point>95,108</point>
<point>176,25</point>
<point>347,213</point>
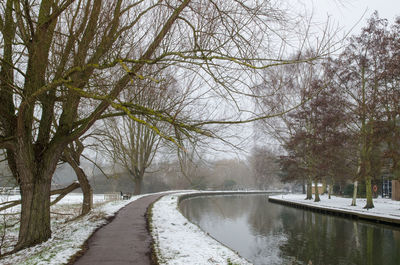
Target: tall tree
<point>360,71</point>
<point>265,166</point>
<point>319,134</point>
<point>61,57</point>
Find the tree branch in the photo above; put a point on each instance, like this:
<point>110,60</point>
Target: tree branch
<point>63,192</point>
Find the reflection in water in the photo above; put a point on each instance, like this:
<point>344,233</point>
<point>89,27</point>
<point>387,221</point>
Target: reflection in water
<point>266,233</point>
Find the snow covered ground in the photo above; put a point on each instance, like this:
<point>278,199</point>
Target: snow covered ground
<point>180,242</point>
<point>383,207</point>
<point>68,235</point>
<point>177,240</point>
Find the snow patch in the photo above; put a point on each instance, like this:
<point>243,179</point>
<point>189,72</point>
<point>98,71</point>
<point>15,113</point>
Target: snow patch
<point>383,207</point>
<point>67,237</point>
<point>180,242</point>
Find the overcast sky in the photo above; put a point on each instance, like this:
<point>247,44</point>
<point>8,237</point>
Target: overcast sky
<point>346,13</point>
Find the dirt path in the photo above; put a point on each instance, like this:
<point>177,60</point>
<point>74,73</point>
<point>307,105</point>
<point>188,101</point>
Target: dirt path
<point>123,241</point>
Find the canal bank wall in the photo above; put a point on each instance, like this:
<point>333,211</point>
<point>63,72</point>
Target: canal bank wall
<point>343,212</point>
<point>223,193</point>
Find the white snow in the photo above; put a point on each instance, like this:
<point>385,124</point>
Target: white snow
<point>73,198</point>
<point>383,207</point>
<point>177,240</point>
<point>180,242</point>
<point>67,236</point>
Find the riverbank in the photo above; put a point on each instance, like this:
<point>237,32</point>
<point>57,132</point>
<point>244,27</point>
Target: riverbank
<point>70,233</point>
<point>385,211</point>
<point>178,241</point>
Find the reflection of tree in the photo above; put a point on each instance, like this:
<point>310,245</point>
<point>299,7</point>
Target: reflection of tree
<point>370,245</point>
<point>205,209</point>
<point>331,240</point>
<point>266,227</point>
<point>297,236</point>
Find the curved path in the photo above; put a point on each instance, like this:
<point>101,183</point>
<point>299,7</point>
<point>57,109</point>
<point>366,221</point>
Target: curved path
<point>125,240</point>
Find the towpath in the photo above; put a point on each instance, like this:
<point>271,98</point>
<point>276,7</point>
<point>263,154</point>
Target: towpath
<point>125,240</point>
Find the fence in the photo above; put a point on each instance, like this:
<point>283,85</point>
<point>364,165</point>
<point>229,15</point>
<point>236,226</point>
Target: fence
<point>112,196</point>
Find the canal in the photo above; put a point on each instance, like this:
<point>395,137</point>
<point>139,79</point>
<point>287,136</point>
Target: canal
<point>268,233</point>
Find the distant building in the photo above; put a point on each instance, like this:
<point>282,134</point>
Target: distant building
<point>320,188</point>
<point>390,187</point>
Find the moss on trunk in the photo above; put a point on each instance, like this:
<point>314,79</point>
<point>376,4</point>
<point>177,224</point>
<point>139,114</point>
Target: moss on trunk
<point>368,191</point>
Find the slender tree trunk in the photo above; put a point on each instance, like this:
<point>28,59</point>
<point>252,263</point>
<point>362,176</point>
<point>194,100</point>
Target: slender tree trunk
<point>367,176</point>
<point>366,147</point>
<point>330,189</point>
<point>353,202</point>
<point>87,204</point>
<point>309,189</point>
<point>72,155</point>
<point>35,212</point>
<point>317,199</point>
<point>368,191</point>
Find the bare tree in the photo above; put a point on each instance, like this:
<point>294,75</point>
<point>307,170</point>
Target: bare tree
<point>362,72</point>
<point>314,133</point>
<point>61,57</point>
<point>132,144</point>
<point>265,166</point>
<point>292,87</point>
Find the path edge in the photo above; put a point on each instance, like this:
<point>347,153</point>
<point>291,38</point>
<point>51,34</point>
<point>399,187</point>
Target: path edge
<point>149,227</point>
<point>85,246</point>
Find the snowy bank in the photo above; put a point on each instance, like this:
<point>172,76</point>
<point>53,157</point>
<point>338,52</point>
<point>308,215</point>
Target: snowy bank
<point>67,237</point>
<point>178,241</point>
<point>385,210</point>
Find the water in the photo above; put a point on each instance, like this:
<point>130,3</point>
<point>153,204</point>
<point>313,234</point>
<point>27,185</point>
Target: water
<point>267,233</point>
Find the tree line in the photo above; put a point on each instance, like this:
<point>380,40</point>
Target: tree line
<point>68,65</point>
<point>348,128</point>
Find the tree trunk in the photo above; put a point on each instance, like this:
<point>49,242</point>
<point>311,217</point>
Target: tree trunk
<point>138,185</point>
<point>317,199</point>
<point>35,170</point>
<point>87,204</point>
<point>35,213</point>
<point>368,191</point>
<point>73,160</point>
<point>304,186</point>
<point>330,189</point>
<point>309,189</point>
<point>353,202</point>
